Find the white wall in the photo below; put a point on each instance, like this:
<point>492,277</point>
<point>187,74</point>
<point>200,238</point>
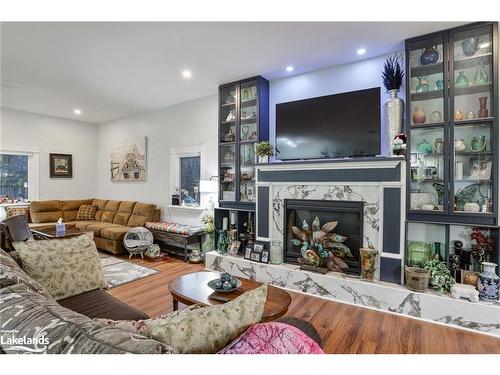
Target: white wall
<point>337,79</point>
<point>55,135</point>
<point>187,124</point>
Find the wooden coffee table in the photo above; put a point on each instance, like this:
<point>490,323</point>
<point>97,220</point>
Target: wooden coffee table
<point>192,288</point>
<point>49,232</point>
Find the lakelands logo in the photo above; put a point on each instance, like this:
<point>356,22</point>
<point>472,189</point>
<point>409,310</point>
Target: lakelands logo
<point>11,342</point>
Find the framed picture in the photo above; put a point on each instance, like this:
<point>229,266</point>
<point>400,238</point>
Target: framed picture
<point>258,248</point>
<point>61,165</point>
<point>480,170</point>
<point>248,252</point>
<point>264,257</point>
<point>234,247</point>
<point>255,256</point>
<point>469,277</point>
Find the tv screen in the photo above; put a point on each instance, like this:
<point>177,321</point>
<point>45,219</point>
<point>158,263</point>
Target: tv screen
<point>333,126</point>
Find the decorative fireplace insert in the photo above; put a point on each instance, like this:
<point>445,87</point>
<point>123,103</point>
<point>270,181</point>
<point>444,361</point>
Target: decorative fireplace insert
<point>348,232</point>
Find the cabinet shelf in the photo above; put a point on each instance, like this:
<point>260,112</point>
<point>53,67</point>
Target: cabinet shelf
<point>426,70</point>
<point>472,61</point>
<point>473,89</point>
<point>474,121</point>
<point>428,95</point>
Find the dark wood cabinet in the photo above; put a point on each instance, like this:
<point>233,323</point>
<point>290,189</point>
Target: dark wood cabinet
<point>243,122</point>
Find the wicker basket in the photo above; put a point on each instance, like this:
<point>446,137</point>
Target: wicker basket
<point>417,279</point>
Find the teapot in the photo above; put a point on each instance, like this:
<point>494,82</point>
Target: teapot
<point>459,145</point>
<point>478,143</point>
<point>424,147</point>
<point>438,145</point>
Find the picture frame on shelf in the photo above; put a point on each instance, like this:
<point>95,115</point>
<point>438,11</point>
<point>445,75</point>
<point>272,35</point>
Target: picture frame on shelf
<point>255,256</point>
<point>258,248</point>
<point>469,277</point>
<point>234,247</point>
<point>264,258</point>
<point>61,165</point>
<point>248,252</point>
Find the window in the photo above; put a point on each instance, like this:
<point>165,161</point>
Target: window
<point>14,176</point>
<point>189,173</point>
<point>19,172</point>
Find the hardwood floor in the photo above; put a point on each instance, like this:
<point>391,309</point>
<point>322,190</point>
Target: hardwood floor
<point>344,328</point>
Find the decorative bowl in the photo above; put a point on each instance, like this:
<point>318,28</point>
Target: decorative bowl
<point>218,288</point>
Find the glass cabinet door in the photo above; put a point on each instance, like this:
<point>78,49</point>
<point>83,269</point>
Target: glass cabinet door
<point>471,82</point>
<point>227,141</point>
<point>248,137</point>
<point>427,112</point>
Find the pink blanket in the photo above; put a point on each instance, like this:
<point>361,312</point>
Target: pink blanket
<point>273,338</point>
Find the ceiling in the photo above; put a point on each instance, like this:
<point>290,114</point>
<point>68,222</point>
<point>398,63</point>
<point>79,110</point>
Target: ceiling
<point>112,70</point>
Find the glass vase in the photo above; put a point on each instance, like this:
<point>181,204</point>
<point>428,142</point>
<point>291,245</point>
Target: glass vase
<point>276,252</point>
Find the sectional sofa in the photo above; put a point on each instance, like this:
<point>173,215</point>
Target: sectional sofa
<point>112,220</point>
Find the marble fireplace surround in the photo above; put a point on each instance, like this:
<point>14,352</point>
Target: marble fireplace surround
<point>386,297</point>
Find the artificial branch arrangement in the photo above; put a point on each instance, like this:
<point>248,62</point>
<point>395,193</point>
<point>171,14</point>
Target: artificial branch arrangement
<point>320,248</point>
<point>393,74</point>
<point>208,225</point>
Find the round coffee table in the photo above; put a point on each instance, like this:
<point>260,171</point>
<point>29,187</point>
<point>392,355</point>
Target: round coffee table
<point>192,288</point>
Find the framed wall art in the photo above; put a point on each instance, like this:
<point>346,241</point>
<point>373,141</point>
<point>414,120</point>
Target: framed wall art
<point>61,165</point>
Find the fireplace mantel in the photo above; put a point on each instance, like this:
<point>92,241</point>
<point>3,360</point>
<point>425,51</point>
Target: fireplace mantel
<point>378,182</point>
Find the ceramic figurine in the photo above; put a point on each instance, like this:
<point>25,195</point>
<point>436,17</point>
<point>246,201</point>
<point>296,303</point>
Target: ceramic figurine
<point>469,115</point>
<point>478,143</point>
<point>488,283</point>
<point>231,116</point>
<point>438,145</point>
<point>459,145</point>
<point>471,207</point>
<point>470,46</point>
<point>483,111</point>
<point>229,137</point>
<point>429,55</point>
<point>419,115</point>
<point>459,115</point>
<point>465,291</point>
<point>436,117</point>
<point>423,86</point>
<point>461,80</point>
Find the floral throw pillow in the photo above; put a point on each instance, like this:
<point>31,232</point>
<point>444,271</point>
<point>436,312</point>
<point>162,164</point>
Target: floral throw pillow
<point>65,267</point>
<point>86,212</point>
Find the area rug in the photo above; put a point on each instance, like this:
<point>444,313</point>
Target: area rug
<point>118,271</point>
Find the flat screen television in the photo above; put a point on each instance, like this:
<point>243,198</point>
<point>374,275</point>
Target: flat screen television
<point>333,126</point>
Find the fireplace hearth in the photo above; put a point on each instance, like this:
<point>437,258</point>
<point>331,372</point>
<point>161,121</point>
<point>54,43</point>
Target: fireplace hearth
<point>348,214</point>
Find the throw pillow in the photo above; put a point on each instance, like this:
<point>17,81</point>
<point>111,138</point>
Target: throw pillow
<point>211,328</point>
<point>13,211</point>
<point>12,274</point>
<point>59,330</point>
<point>86,212</point>
<point>65,267</point>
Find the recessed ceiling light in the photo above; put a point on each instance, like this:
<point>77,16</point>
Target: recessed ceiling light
<point>77,111</point>
<point>361,51</point>
<point>484,45</point>
<point>186,73</point>
<point>289,68</point>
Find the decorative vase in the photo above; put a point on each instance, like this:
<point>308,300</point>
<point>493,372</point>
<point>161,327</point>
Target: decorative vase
<point>419,252</point>
<point>424,147</point>
<point>478,143</point>
<point>222,243</point>
<point>263,159</point>
<point>195,256</point>
<point>470,46</point>
<point>470,115</point>
<point>422,86</point>
<point>488,283</point>
<point>368,258</point>
<point>430,55</point>
<point>208,242</point>
<point>419,115</point>
<point>438,145</point>
<point>393,108</point>
<point>436,117</point>
<point>276,252</point>
<point>439,85</point>
<point>459,115</point>
<point>459,145</point>
<point>483,111</point>
<point>461,80</point>
<point>480,75</point>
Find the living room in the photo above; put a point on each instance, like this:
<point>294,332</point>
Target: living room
<point>165,191</point>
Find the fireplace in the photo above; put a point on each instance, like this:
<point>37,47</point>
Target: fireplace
<point>348,214</point>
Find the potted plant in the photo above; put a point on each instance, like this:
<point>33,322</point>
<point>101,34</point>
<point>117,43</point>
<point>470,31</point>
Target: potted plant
<point>263,150</point>
<point>440,277</point>
<point>208,228</point>
<point>392,77</point>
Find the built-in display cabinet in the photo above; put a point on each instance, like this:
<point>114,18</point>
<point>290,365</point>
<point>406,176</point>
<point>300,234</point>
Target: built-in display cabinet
<point>243,122</point>
<point>453,143</point>
<point>452,126</point>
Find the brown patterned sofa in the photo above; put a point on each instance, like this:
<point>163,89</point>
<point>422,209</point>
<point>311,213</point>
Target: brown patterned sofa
<point>112,220</point>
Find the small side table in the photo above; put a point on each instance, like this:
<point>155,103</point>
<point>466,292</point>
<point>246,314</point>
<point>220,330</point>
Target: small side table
<point>178,240</point>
